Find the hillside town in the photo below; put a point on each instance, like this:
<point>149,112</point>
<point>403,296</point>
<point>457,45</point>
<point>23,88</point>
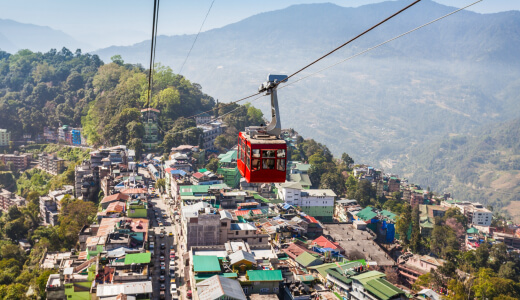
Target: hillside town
<point>177,227</point>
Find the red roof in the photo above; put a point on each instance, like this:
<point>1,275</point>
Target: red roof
<point>167,170</point>
<point>130,191</point>
<point>115,197</point>
<point>294,250</point>
<point>242,212</point>
<point>257,212</point>
<point>118,206</point>
<point>325,243</point>
<point>198,175</point>
<point>311,219</point>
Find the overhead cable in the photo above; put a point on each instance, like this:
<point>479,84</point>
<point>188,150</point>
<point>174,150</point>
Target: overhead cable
<point>196,37</point>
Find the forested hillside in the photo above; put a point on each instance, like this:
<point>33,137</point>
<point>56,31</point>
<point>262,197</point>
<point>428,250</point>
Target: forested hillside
<point>482,166</point>
<point>79,90</point>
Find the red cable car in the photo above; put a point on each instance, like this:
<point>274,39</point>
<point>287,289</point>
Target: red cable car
<point>262,154</point>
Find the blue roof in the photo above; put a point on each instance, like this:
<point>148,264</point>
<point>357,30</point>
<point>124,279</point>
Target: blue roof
<point>180,172</point>
<point>286,206</point>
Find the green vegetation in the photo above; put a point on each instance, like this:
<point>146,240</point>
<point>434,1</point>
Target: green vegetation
<point>482,167</point>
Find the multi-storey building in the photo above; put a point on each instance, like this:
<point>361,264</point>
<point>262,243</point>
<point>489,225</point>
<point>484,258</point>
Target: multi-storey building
<point>318,203</point>
<point>5,137</point>
<point>20,161</point>
<point>210,133</point>
<point>51,163</point>
<point>8,199</point>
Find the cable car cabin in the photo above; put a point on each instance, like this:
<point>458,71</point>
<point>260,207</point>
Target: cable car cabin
<point>261,158</point>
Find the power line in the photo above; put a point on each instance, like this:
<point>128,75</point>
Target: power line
<point>333,65</point>
<point>196,37</point>
<point>379,45</point>
<point>356,37</point>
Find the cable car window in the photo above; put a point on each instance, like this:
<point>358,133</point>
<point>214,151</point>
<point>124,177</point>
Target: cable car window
<point>280,153</point>
<point>247,162</point>
<point>281,165</point>
<point>268,153</point>
<point>256,153</point>
<point>255,164</point>
<point>268,164</point>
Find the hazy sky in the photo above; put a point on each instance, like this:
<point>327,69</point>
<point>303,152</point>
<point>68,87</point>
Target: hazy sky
<point>101,23</point>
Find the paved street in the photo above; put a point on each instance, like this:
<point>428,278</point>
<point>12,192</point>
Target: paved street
<point>155,214</point>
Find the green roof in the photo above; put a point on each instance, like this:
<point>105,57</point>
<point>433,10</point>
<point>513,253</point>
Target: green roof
<point>306,278</point>
<point>472,230</point>
<point>208,263</point>
<point>306,259</point>
<point>265,275</point>
<point>190,190</point>
<point>323,268</point>
<point>203,170</point>
<point>302,179</point>
<point>332,272</point>
<point>382,289</point>
<point>303,167</point>
<point>228,157</point>
<point>138,258</point>
<point>230,275</point>
<point>364,277</point>
<point>390,215</point>
<point>366,213</point>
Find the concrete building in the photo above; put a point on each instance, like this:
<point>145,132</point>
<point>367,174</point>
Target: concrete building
<point>318,203</point>
<point>20,161</point>
<point>411,266</point>
<point>51,163</point>
<point>5,137</point>
<point>372,285</point>
<point>210,132</point>
<point>475,212</point>
<point>227,167</point>
<point>50,205</point>
<point>8,199</point>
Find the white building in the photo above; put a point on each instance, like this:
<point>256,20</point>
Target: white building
<point>5,137</point>
<point>210,133</point>
<point>476,213</point>
<point>317,203</point>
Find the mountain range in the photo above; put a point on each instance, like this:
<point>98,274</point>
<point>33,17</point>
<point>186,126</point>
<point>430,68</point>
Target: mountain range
<point>449,77</point>
<point>15,36</point>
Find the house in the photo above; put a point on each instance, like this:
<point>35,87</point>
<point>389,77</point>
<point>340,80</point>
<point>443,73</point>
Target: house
<point>373,285</point>
<point>5,137</point>
<point>219,287</point>
<point>114,198</point>
<point>411,266</point>
<point>307,259</point>
<point>20,161</point>
<point>205,266</point>
<point>341,209</point>
<point>8,199</point>
<point>323,242</point>
<point>242,260</point>
<point>318,203</point>
<point>262,282</point>
<point>296,249</point>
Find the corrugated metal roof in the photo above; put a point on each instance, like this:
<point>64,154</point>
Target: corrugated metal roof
<point>218,287</point>
<point>208,263</point>
<point>264,275</point>
<point>138,258</point>
<point>366,214</point>
<point>130,288</point>
<point>306,259</point>
<point>382,288</point>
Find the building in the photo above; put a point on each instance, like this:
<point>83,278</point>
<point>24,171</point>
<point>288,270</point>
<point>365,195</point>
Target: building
<point>318,203</point>
<point>411,266</point>
<point>8,199</point>
<point>149,117</point>
<point>220,287</point>
<point>262,282</point>
<point>227,168</point>
<point>342,209</point>
<point>5,137</point>
<point>20,161</point>
<point>475,212</point>
<point>76,136</point>
<point>209,134</point>
<point>51,163</point>
<point>50,205</point>
<point>373,285</point>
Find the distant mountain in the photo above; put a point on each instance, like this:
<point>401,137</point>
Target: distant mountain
<point>481,166</point>
<point>455,75</point>
<point>15,36</point>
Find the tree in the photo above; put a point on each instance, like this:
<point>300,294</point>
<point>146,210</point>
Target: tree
<point>508,271</point>
<point>160,184</point>
<point>392,275</point>
<point>443,240</point>
<point>347,160</point>
<point>117,59</point>
<point>402,225</point>
<point>333,181</point>
<point>415,241</point>
<point>212,165</point>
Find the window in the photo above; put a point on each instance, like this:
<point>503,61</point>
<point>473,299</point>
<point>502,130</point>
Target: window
<point>236,232</point>
<point>268,153</point>
<point>256,153</point>
<point>255,164</point>
<point>223,224</point>
<point>280,165</point>
<point>268,164</point>
<point>280,153</point>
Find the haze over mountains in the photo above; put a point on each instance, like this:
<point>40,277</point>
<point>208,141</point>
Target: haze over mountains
<point>15,36</point>
<point>454,75</point>
<point>451,77</point>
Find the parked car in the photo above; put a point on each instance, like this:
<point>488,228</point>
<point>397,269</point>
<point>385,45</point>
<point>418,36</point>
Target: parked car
<point>163,246</point>
<point>161,258</point>
<point>173,289</point>
<point>161,278</point>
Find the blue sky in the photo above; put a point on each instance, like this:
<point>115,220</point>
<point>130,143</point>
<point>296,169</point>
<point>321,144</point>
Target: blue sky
<point>125,22</point>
